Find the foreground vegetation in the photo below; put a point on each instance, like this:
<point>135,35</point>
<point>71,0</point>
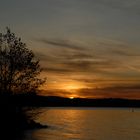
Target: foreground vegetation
<point>19,74</point>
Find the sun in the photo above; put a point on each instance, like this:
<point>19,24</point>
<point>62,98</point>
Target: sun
<point>71,97</point>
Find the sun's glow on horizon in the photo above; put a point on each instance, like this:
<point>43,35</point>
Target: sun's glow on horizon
<point>71,97</point>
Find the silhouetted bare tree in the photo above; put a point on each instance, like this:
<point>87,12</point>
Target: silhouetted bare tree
<point>19,70</point>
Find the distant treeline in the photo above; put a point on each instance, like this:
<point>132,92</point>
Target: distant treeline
<point>54,101</point>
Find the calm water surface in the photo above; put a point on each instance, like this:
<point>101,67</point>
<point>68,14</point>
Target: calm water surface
<point>87,124</point>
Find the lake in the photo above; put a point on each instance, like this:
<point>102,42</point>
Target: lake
<point>87,124</point>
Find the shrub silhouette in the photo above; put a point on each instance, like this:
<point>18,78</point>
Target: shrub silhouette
<point>18,68</point>
<point>19,74</point>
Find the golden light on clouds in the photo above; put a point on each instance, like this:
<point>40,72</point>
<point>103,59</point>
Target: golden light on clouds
<point>72,86</point>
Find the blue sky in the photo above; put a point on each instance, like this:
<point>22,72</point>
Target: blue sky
<point>90,45</point>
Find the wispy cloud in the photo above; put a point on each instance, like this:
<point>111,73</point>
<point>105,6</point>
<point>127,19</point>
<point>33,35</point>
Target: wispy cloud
<point>61,43</point>
<point>57,70</point>
<point>105,57</point>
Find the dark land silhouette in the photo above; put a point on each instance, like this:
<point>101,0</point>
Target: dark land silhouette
<point>55,101</point>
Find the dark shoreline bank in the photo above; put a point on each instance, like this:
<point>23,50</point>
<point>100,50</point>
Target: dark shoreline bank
<point>14,119</point>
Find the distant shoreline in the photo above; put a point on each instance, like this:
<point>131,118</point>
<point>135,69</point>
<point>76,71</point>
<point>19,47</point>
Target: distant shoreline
<point>54,101</point>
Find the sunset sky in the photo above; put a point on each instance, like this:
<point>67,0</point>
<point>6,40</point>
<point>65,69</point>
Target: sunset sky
<point>87,48</point>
